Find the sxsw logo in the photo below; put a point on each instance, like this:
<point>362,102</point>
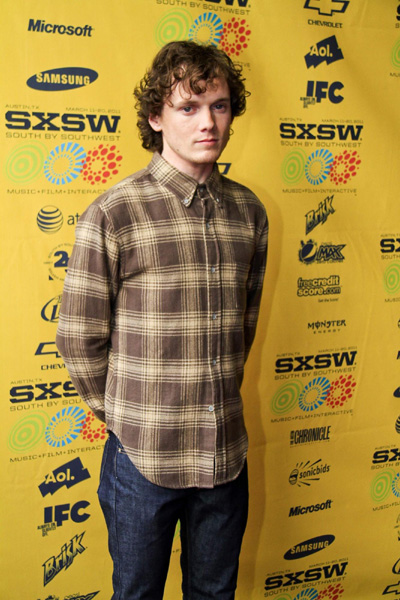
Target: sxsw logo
<point>68,475</point>
<point>327,7</point>
<point>326,50</point>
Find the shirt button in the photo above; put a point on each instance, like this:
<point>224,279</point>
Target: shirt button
<point>186,201</point>
<point>214,362</point>
<point>214,316</point>
<point>208,225</point>
<point>217,200</point>
<point>213,269</point>
<point>210,408</point>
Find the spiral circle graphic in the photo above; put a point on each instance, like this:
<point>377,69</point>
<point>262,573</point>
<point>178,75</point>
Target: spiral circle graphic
<point>309,594</point>
<point>292,169</point>
<point>381,486</point>
<point>318,166</point>
<point>396,485</point>
<point>285,398</point>
<point>101,164</point>
<point>174,26</point>
<point>235,36</point>
<point>314,394</point>
<point>396,55</point>
<point>49,219</point>
<point>332,592</point>
<point>341,390</point>
<point>397,425</point>
<point>92,429</point>
<point>206,29</point>
<point>391,278</point>
<point>64,163</point>
<point>65,426</point>
<point>28,432</point>
<point>26,163</point>
<point>345,166</point>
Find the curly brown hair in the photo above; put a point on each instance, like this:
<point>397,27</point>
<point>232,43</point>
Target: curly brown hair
<point>189,63</point>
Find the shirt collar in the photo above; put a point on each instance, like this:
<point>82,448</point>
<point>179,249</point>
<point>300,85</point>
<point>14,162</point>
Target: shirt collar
<point>183,186</point>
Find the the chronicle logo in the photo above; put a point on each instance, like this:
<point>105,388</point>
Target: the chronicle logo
<point>62,79</point>
<point>308,473</point>
<point>296,511</point>
<point>40,26</point>
<point>64,559</point>
<point>319,216</point>
<point>307,436</point>
<point>308,547</point>
<point>327,7</point>
<point>326,50</point>
<point>310,252</point>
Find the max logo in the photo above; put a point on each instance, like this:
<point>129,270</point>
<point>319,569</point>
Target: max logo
<point>68,474</point>
<point>326,50</point>
<point>309,547</point>
<point>68,78</point>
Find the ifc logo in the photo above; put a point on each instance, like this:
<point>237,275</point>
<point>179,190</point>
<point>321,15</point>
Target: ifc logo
<point>49,219</point>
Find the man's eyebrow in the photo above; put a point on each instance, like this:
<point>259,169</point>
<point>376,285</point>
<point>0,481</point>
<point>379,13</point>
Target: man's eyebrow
<point>190,100</point>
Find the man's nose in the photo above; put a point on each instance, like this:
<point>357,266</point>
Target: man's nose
<point>207,119</point>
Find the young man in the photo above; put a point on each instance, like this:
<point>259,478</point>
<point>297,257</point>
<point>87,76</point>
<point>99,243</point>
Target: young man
<point>158,315</point>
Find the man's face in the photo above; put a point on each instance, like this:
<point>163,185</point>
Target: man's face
<point>195,128</point>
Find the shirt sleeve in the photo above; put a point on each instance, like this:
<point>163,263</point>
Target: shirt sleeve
<point>90,288</point>
<point>254,286</point>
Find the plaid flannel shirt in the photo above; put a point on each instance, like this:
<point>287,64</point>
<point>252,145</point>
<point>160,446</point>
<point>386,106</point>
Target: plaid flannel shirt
<point>158,314</point>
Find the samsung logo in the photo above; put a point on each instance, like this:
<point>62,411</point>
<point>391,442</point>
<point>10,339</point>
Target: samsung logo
<point>67,78</point>
<point>309,547</point>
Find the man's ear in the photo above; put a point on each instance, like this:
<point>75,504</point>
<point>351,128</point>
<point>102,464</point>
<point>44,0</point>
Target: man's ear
<point>154,122</point>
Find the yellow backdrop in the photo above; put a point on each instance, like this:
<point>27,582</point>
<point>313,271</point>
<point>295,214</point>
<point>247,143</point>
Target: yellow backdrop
<point>320,146</point>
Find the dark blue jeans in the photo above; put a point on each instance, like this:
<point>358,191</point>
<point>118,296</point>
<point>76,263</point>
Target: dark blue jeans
<point>141,518</point>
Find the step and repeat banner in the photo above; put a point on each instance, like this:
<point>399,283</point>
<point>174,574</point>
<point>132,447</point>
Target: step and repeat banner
<point>320,146</point>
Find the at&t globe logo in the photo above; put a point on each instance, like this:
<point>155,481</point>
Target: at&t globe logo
<point>49,219</point>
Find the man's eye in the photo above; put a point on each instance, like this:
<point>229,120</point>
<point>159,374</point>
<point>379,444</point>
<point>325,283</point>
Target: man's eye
<point>187,109</point>
<point>220,107</point>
